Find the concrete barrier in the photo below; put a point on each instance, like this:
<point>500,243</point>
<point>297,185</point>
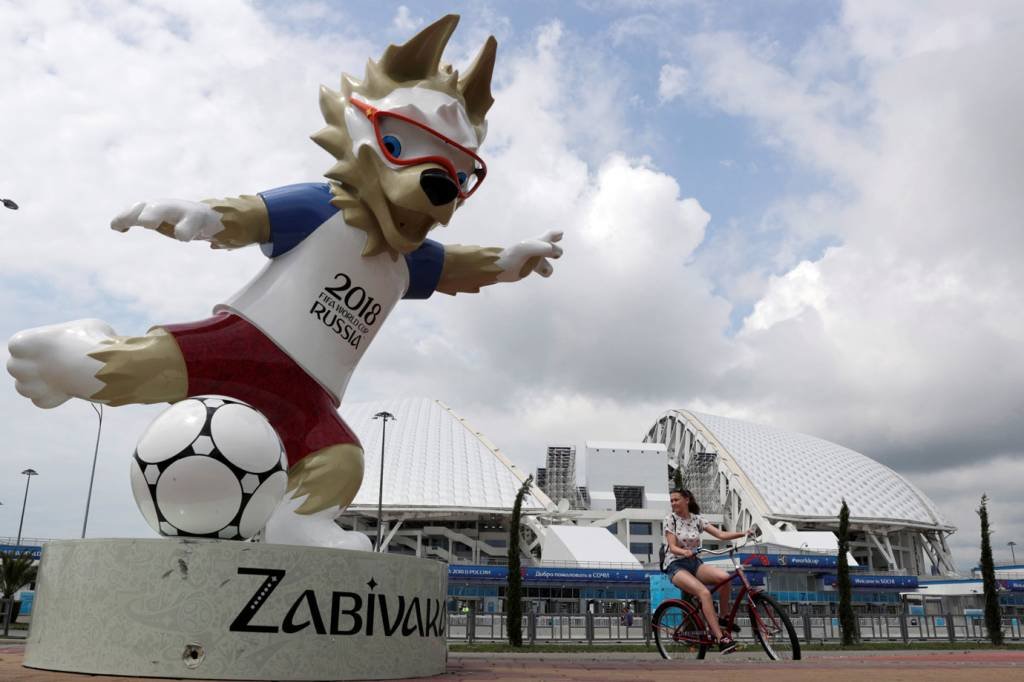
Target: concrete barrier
<point>233,610</point>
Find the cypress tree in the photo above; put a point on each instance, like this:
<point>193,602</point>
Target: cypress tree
<point>993,618</point>
<point>677,479</point>
<point>847,619</point>
<point>513,593</point>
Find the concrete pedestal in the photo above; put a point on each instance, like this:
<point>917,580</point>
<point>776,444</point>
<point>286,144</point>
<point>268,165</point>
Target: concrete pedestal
<point>233,610</point>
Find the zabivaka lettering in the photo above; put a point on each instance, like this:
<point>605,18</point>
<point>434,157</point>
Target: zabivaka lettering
<point>339,612</point>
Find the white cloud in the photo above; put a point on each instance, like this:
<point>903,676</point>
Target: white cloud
<point>308,11</point>
<point>787,297</point>
<point>957,492</point>
<point>404,21</point>
<point>906,322</point>
<point>673,82</point>
<point>635,27</point>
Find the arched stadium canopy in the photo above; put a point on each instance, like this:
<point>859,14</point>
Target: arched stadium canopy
<point>434,461</point>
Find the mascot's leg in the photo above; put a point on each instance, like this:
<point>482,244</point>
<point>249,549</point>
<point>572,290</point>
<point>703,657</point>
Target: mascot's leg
<point>87,359</point>
<point>320,485</point>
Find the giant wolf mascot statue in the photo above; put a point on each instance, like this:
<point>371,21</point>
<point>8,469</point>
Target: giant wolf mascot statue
<point>341,255</point>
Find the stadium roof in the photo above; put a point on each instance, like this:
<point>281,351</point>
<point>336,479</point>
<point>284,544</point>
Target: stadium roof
<point>434,460</point>
<point>802,476</point>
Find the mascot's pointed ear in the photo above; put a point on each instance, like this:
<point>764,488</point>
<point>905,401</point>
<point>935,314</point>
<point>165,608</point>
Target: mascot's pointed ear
<point>331,106</point>
<point>475,85</point>
<point>419,58</point>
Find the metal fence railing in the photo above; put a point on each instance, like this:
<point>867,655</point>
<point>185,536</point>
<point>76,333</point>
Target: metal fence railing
<point>541,628</point>
<point>595,629</point>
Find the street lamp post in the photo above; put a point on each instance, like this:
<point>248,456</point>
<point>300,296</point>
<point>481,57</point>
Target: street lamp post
<point>95,454</point>
<point>1012,544</point>
<point>28,473</point>
<point>385,417</point>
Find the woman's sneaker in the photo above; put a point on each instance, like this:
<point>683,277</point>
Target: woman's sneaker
<point>723,623</point>
<point>726,645</point>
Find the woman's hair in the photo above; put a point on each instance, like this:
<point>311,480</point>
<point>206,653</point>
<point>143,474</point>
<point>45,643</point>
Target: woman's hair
<point>691,501</point>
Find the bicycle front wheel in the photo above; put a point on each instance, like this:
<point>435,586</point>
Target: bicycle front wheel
<point>773,629</point>
<point>678,631</point>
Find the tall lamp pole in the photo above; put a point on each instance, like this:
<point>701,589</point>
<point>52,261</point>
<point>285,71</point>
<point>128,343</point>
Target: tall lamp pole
<point>1012,544</point>
<point>98,409</point>
<point>28,473</point>
<point>385,417</point>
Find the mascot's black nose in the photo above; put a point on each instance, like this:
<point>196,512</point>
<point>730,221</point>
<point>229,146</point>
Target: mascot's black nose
<point>438,186</point>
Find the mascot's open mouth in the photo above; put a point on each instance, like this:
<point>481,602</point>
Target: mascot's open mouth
<point>412,225</point>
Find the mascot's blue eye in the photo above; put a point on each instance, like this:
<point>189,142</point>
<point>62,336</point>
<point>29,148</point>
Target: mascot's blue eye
<point>462,177</point>
<point>393,145</point>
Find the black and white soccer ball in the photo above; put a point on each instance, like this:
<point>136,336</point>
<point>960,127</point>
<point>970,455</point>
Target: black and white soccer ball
<point>209,466</point>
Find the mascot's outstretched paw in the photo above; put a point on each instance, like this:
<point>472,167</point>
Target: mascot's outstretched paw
<point>286,527</point>
<point>51,364</point>
<point>183,220</point>
<point>532,255</point>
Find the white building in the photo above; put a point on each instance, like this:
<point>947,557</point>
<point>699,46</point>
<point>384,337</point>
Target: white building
<point>627,475</point>
<point>448,493</point>
<point>790,484</point>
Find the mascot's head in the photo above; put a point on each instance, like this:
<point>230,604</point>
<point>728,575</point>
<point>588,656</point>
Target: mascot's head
<point>406,138</point>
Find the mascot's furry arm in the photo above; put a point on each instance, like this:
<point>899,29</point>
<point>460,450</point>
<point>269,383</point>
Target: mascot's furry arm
<point>467,268</point>
<point>225,223</point>
<point>236,222</point>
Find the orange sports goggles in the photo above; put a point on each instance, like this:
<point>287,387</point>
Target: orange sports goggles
<point>407,142</point>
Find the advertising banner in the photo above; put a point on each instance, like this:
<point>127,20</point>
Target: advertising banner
<point>541,574</point>
<point>36,551</point>
<point>877,582</point>
<point>790,560</point>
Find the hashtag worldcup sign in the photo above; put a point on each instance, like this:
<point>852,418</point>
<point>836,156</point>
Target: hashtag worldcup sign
<point>215,610</point>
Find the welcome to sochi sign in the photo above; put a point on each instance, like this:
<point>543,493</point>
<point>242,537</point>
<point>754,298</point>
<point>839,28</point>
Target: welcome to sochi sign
<point>878,582</point>
<point>549,575</point>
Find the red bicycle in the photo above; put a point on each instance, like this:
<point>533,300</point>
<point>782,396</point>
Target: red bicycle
<point>681,631</point>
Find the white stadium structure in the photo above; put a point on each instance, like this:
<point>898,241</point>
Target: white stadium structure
<point>448,492</point>
<point>790,484</point>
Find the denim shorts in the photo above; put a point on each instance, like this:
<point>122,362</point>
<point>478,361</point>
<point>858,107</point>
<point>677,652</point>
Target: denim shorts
<point>690,564</point>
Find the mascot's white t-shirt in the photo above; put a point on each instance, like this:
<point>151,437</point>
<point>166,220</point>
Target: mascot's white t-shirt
<point>318,298</point>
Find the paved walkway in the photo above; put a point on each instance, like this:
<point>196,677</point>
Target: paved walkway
<point>833,666</point>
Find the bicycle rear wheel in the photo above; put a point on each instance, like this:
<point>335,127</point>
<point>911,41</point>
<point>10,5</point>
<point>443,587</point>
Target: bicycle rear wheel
<point>678,631</point>
<point>773,629</point>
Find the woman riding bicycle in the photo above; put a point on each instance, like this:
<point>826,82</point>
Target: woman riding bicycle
<point>683,527</point>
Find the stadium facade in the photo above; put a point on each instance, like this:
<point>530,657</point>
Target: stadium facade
<point>791,484</point>
<point>591,543</point>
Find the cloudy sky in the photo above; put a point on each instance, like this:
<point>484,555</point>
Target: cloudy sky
<point>803,214</point>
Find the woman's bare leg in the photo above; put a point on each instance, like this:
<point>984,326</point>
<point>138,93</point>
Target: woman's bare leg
<point>686,581</point>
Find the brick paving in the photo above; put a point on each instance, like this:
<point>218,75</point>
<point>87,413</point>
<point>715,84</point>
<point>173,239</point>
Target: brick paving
<point>831,666</point>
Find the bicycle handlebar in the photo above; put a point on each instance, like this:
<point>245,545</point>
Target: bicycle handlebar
<point>726,550</point>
